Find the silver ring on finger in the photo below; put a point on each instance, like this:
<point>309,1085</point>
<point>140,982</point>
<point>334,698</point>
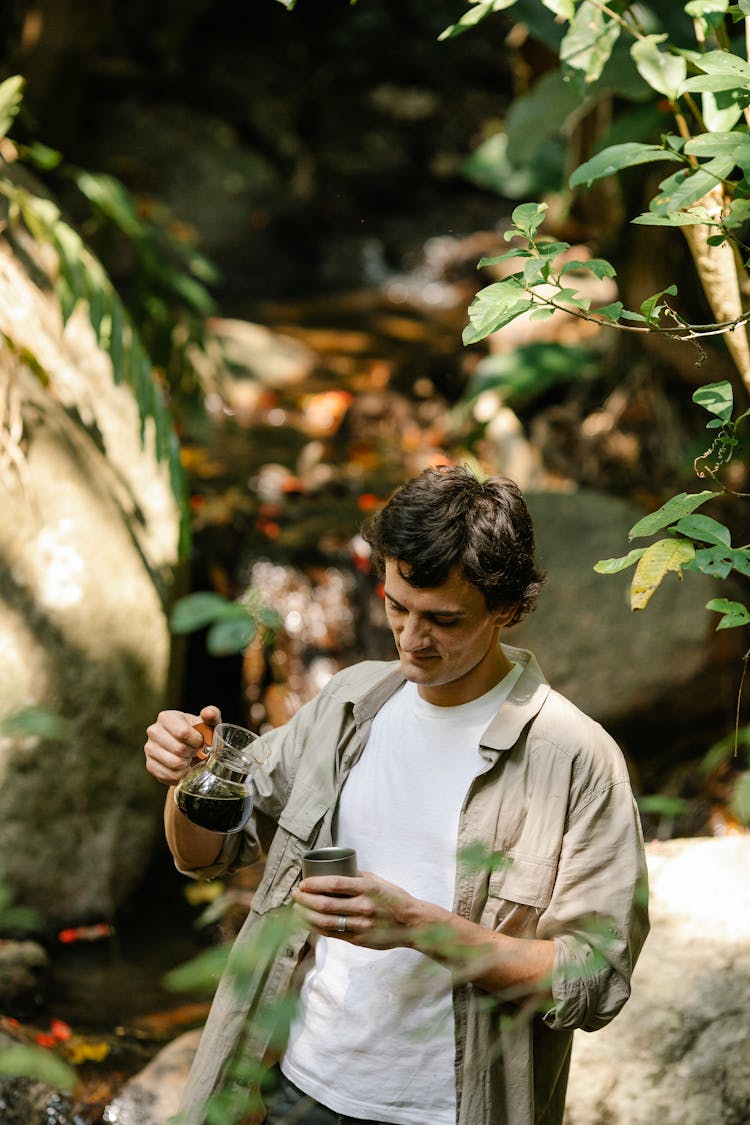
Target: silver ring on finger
<point>341,927</point>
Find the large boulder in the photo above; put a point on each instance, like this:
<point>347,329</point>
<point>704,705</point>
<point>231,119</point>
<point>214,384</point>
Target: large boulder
<point>678,1054</point>
<point>89,553</point>
<point>653,677</point>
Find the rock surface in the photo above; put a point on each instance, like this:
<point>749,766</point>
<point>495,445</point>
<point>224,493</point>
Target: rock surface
<point>88,554</point>
<point>678,1052</point>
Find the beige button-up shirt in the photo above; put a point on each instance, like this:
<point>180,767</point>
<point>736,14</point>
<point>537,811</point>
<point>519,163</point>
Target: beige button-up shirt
<point>549,846</point>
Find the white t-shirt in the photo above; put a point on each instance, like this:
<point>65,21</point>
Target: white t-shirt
<point>374,1036</point>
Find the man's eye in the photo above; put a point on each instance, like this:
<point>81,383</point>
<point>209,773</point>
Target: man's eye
<point>445,624</point>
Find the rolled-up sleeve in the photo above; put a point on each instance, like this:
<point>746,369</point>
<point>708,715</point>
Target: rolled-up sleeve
<point>598,912</point>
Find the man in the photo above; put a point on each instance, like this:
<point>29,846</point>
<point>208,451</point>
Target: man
<point>501,897</point>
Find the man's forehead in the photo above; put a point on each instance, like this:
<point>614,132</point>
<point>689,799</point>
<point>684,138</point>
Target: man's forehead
<point>454,596</point>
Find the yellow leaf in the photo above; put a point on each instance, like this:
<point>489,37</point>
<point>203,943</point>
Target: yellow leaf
<point>86,1050</point>
<point>654,563</point>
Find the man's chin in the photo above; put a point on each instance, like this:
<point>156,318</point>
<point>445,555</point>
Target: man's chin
<point>419,671</point>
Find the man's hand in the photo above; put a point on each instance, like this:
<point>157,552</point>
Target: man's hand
<point>376,914</point>
<point>379,915</point>
<point>173,743</point>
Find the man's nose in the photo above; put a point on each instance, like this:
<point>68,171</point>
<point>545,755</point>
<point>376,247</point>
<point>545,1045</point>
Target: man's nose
<point>413,635</point>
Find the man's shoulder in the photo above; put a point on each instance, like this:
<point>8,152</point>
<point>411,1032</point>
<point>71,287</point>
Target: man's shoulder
<point>563,725</point>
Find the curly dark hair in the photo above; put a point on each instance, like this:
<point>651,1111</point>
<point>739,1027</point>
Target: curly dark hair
<point>446,519</point>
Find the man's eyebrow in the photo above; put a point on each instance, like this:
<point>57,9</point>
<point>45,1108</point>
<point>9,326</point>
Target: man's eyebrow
<point>427,612</point>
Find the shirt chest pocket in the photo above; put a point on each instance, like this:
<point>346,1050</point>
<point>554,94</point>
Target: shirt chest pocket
<point>518,893</point>
<point>298,830</point>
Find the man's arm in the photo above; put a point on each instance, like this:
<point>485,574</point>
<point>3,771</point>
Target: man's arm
<point>170,749</point>
<point>380,915</point>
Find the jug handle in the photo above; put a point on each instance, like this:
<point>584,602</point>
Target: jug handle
<point>208,733</point>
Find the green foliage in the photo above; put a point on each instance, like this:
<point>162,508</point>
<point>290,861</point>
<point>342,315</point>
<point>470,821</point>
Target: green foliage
<point>154,334</point>
<point>22,1060</point>
<point>232,625</point>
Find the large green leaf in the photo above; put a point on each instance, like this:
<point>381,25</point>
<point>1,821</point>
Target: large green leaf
<point>734,146</point>
<point>614,566</point>
<point>673,510</point>
<point>653,566</point>
<point>493,307</point>
<point>20,1060</point>
<point>705,529</point>
<point>723,71</point>
<point>11,96</point>
<point>230,636</point>
<point>734,613</point>
<point>687,187</point>
<point>589,41</point>
<point>662,71</point>
<point>617,158</point>
<point>196,611</point>
<point>716,398</point>
<point>37,722</point>
<point>479,11</point>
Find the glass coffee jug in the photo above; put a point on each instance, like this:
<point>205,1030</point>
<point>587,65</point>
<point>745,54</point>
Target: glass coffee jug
<point>217,792</point>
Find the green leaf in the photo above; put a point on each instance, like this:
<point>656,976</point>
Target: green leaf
<point>611,312</point>
<point>524,373</point>
<point>598,266</point>
<point>739,211</point>
<point>528,217</point>
<point>618,157</point>
<point>663,72</point>
<point>494,307</point>
<point>230,636</point>
<point>722,112</point>
<point>659,804</point>
<point>723,71</point>
<point>588,43</point>
<point>473,16</point>
<point>543,314</point>
<point>24,1061</point>
<point>196,611</point>
<point>716,562</point>
<point>673,510</point>
<point>201,974</point>
<point>740,558</point>
<point>698,8</point>
<point>734,613</point>
<point>716,398</point>
<point>565,9</point>
<point>675,219</point>
<point>687,187</point>
<point>36,722</point>
<point>614,566</point>
<point>656,562</point>
<point>740,802</point>
<point>651,309</point>
<point>11,96</point>
<point>705,529</point>
<point>508,256</point>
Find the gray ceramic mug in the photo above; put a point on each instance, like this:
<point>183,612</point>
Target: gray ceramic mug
<point>329,861</point>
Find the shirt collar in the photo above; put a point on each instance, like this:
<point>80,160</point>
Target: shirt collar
<point>526,698</point>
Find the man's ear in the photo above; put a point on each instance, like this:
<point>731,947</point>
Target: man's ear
<point>503,615</point>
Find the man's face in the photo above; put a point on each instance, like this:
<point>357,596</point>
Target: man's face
<point>447,639</point>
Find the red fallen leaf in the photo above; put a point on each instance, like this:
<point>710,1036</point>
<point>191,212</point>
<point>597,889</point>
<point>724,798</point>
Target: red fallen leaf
<point>60,1030</point>
<point>85,933</point>
<point>42,1039</point>
<point>368,501</point>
